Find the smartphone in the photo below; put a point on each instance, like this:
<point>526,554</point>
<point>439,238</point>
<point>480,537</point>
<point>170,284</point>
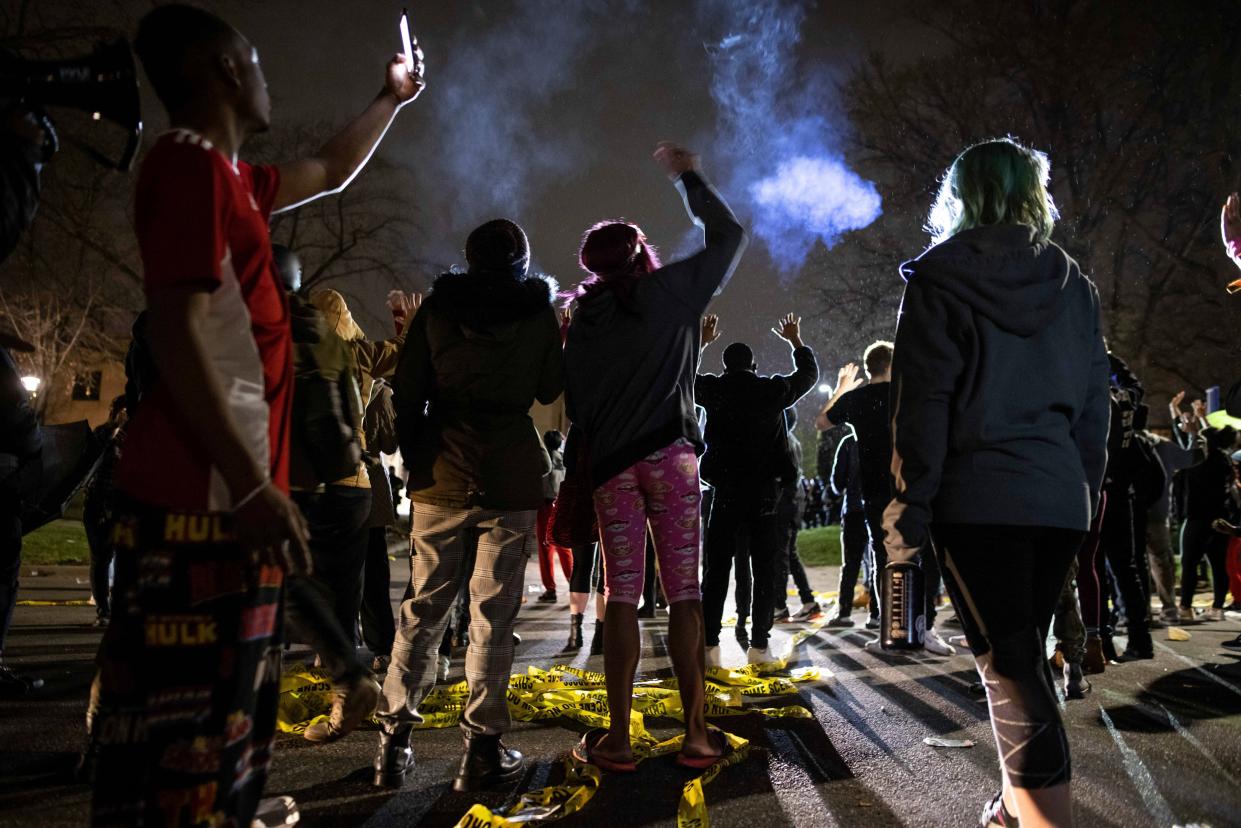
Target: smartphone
<point>406,44</point>
<point>1213,399</point>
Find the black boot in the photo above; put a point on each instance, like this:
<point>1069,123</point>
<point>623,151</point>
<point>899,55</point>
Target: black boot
<point>487,763</point>
<point>596,642</point>
<point>575,631</point>
<point>395,758</point>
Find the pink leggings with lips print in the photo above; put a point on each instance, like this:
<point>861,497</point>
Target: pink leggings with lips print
<point>661,490</point>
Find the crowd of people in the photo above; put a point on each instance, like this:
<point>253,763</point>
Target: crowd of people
<point>242,500</point>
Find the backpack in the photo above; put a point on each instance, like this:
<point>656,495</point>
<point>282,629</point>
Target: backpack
<point>324,437</point>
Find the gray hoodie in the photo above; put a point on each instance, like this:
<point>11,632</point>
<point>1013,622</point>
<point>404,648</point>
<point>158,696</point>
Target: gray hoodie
<point>999,388</point>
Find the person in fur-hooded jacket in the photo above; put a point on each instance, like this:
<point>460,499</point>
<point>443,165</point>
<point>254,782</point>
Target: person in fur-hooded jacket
<point>484,346</point>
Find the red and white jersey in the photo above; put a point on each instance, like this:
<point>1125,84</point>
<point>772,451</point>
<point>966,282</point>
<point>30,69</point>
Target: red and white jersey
<point>202,221</point>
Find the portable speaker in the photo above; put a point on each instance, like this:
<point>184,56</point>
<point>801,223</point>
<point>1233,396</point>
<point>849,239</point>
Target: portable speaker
<point>903,610</point>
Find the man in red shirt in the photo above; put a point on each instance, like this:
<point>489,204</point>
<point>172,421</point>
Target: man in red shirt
<point>190,666</point>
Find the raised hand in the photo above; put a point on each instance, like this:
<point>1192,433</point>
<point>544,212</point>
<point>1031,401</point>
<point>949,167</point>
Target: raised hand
<point>789,329</point>
<point>406,82</point>
<point>710,329</point>
<point>847,379</point>
<point>675,159</point>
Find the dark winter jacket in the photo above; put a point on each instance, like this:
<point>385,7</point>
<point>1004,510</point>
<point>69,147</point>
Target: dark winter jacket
<point>630,367</point>
<point>999,388</point>
<point>481,350</point>
<point>1200,492</point>
<point>19,189</point>
<point>747,435</point>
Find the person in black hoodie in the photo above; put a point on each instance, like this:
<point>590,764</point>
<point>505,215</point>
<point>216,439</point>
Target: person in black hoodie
<point>630,360</point>
<point>1200,497</point>
<point>481,349</point>
<point>1000,417</point>
<point>846,482</point>
<point>747,463</point>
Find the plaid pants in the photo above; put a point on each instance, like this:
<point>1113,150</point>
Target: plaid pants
<point>440,540</point>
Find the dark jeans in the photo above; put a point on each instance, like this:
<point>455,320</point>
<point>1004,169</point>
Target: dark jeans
<point>323,608</point>
<point>879,553</point>
<point>10,566</point>
<point>787,561</point>
<point>98,525</point>
<point>1005,582</point>
<point>378,616</point>
<point>853,540</point>
<point>1129,569</point>
<point>737,522</point>
<point>1198,541</point>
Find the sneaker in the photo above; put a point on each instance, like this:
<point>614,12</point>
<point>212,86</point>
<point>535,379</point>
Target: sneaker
<point>1213,614</point>
<point>443,667</point>
<point>548,597</point>
<point>713,656</point>
<point>760,655</point>
<point>1234,645</point>
<point>841,622</point>
<point>1185,614</point>
<point>811,612</point>
<point>16,684</point>
<point>101,621</point>
<point>1170,614</point>
<point>934,644</point>
<point>780,616</point>
<point>995,815</point>
<point>1075,684</point>
<point>352,704</point>
<point>873,623</point>
<point>276,811</point>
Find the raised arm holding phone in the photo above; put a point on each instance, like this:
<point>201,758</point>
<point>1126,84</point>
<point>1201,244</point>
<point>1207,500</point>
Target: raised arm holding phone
<point>205,479</point>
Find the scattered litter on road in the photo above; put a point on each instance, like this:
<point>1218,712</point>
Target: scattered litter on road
<point>936,741</point>
<point>1177,634</point>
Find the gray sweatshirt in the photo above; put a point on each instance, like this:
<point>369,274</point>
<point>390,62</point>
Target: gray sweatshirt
<point>629,371</point>
<point>999,388</point>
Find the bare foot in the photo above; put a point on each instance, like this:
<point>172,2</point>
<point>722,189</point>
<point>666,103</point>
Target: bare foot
<point>613,749</point>
<point>701,745</point>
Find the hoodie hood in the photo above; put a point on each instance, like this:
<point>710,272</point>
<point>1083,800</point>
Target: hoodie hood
<point>484,299</point>
<point>1002,273</point>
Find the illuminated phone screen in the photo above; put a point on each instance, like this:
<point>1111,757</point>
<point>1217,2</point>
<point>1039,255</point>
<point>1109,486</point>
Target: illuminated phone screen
<point>406,44</point>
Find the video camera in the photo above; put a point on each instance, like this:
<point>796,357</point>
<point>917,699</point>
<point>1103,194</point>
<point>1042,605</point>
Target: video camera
<point>103,84</point>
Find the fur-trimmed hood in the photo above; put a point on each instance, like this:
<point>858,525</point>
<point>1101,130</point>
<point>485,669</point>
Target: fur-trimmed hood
<point>484,299</point>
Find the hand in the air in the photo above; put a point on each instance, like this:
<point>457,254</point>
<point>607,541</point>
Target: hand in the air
<point>406,82</point>
<point>789,329</point>
<point>675,159</point>
<point>710,329</point>
<point>847,379</point>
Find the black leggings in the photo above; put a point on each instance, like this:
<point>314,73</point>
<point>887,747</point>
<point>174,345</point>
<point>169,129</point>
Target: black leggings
<point>1199,540</point>
<point>1004,582</point>
<point>586,570</point>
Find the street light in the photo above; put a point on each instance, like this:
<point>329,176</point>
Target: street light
<point>31,384</point>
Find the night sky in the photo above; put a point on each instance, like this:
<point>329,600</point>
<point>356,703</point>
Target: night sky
<point>582,100</point>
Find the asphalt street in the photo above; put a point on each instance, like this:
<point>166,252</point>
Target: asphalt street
<point>1155,743</point>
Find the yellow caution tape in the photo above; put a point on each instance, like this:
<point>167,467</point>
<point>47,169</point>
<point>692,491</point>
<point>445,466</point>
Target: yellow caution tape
<point>566,692</point>
<point>65,602</point>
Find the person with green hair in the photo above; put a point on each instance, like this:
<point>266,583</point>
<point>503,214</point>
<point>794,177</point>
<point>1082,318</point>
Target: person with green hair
<point>999,421</point>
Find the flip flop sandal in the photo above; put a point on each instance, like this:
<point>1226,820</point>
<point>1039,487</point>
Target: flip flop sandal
<point>703,762</point>
<point>583,751</point>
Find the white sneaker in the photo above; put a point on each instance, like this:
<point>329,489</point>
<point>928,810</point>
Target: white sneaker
<point>1213,614</point>
<point>760,655</point>
<point>445,665</point>
<point>276,811</point>
<point>713,656</point>
<point>934,644</point>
